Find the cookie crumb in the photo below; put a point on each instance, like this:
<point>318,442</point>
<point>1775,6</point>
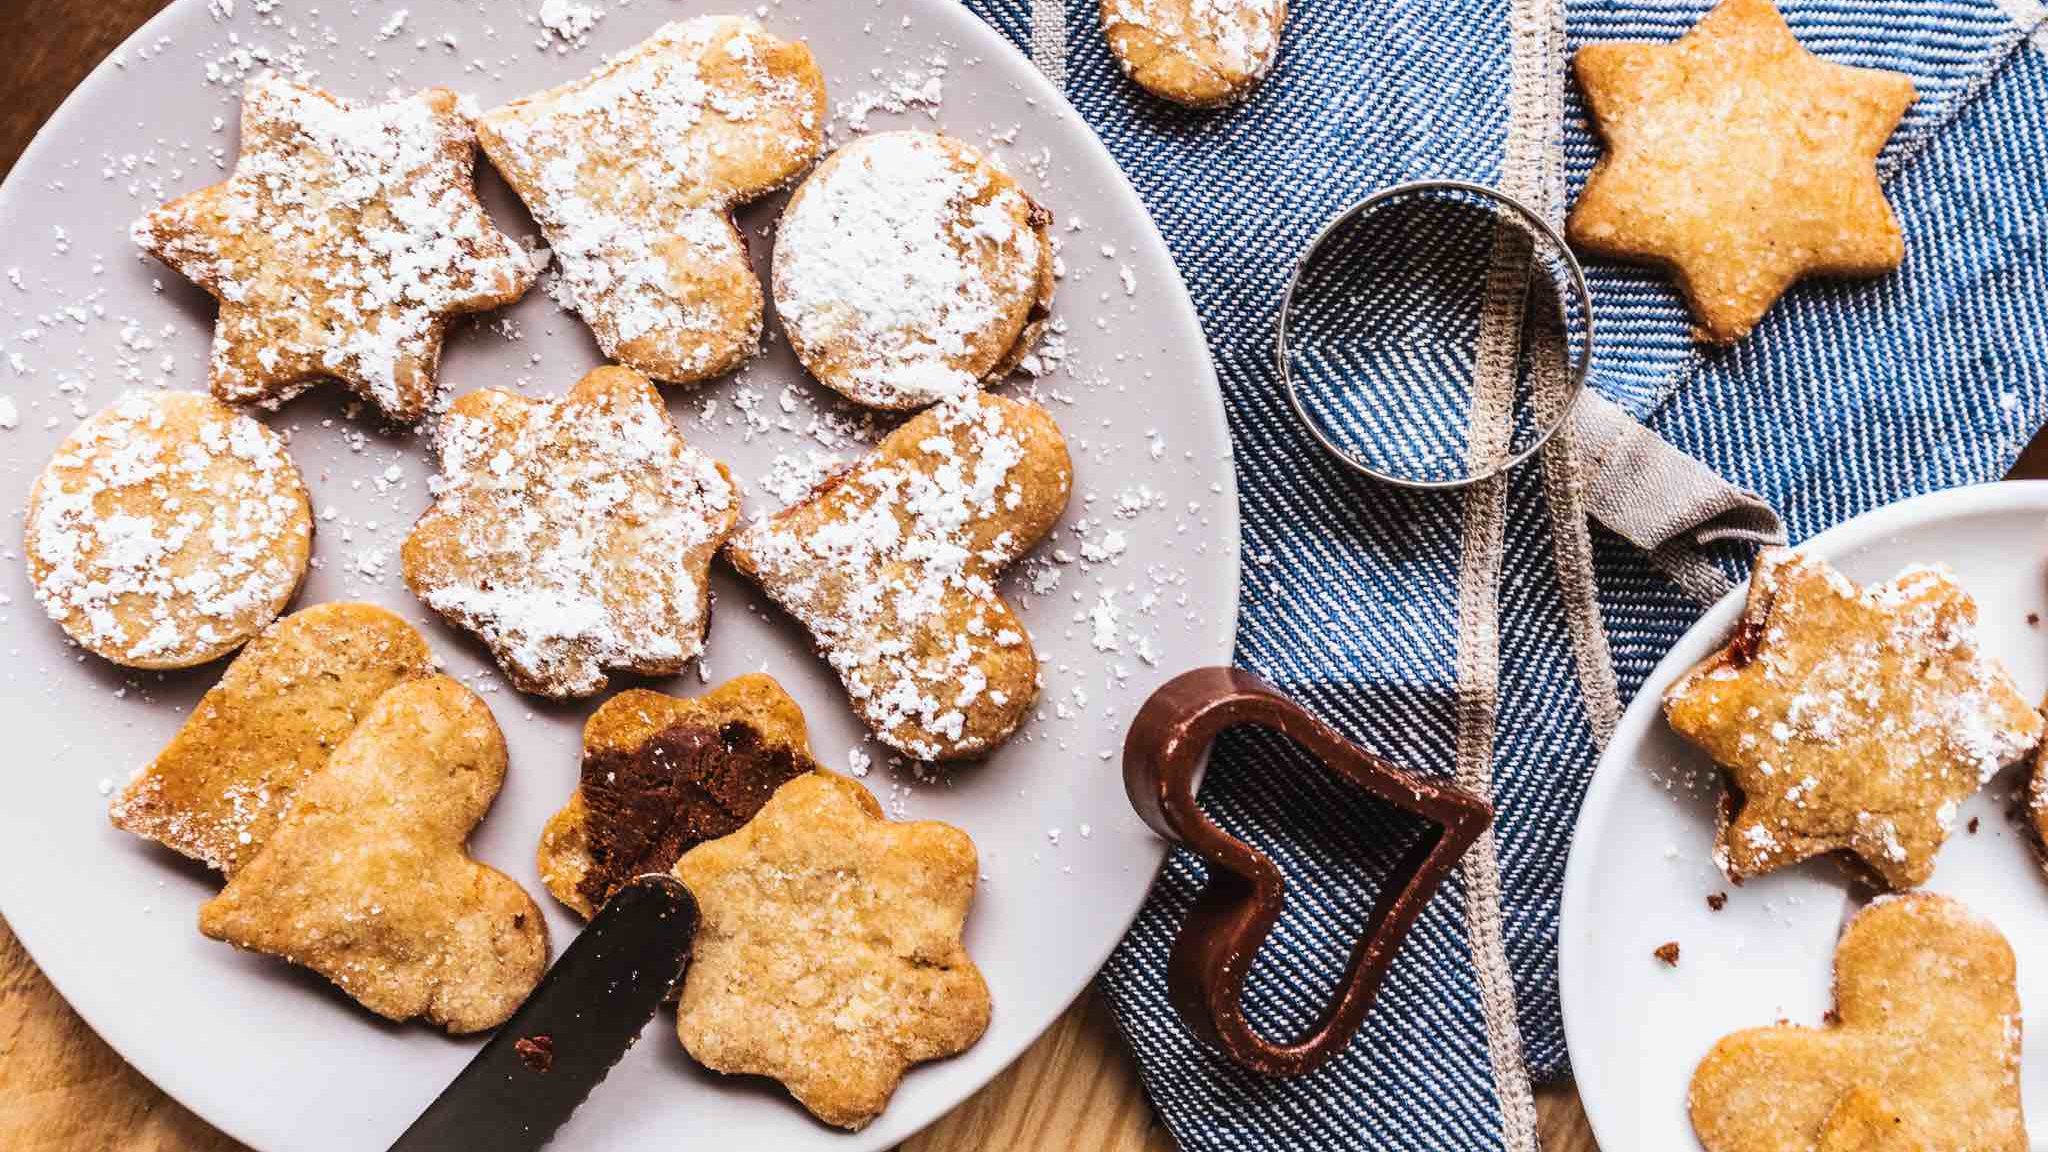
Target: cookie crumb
<point>538,1052</point>
<point>1668,953</point>
<point>1716,901</point>
<point>1972,825</point>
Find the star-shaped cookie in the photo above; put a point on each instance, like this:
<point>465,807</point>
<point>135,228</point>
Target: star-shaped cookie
<point>1739,161</point>
<point>829,953</point>
<point>340,247</point>
<point>573,535</point>
<point>1850,719</point>
<point>633,173</point>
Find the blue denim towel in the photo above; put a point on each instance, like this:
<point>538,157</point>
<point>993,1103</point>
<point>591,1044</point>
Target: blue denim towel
<point>1848,396</point>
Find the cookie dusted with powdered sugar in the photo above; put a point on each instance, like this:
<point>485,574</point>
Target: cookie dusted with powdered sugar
<point>574,535</point>
<point>1195,52</point>
<point>167,531</point>
<point>340,248</point>
<point>1850,719</point>
<point>891,565</point>
<point>633,173</point>
<point>910,269</point>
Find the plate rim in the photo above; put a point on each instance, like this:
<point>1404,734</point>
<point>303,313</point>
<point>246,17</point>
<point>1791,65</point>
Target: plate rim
<point>184,1082</point>
<point>1914,512</point>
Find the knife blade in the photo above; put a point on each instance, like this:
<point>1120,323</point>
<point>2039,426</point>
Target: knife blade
<point>589,1008</point>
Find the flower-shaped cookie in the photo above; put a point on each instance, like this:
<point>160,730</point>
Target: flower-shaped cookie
<point>340,247</point>
<point>1923,1051</point>
<point>368,882</point>
<point>892,565</point>
<point>829,953</point>
<point>1740,161</point>
<point>633,173</point>
<point>573,535</point>
<point>662,775</point>
<point>1850,719</point>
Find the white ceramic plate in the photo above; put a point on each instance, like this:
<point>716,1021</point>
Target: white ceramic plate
<point>271,1054</point>
<point>1640,870</point>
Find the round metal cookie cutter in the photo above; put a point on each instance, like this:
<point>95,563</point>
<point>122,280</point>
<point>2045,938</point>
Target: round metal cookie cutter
<point>1424,192</point>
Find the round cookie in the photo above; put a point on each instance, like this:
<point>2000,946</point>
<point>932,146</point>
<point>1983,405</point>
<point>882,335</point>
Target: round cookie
<point>1195,52</point>
<point>909,269</point>
<point>167,531</point>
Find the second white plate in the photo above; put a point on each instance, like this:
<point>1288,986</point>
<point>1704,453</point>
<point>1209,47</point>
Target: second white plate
<point>1641,870</point>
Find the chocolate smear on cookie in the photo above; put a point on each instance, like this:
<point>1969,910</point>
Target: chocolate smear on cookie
<point>687,784</point>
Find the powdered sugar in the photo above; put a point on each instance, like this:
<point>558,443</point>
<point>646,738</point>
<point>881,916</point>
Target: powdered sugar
<point>340,246</point>
<point>573,535</point>
<point>167,530</point>
<point>570,22</point>
<point>1237,37</point>
<point>905,267</point>
<point>632,174</point>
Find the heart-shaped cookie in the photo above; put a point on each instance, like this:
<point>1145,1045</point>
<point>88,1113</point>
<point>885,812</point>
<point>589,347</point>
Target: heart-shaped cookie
<point>368,879</point>
<point>1922,1050</point>
<point>221,785</point>
<point>892,565</point>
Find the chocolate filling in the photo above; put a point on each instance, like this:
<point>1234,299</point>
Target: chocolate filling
<point>687,784</point>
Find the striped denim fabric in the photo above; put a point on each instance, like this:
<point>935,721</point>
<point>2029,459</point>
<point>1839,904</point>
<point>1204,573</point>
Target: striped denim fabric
<point>1849,395</point>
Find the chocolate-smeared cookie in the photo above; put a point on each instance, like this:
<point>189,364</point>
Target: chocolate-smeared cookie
<point>662,775</point>
<point>690,782</point>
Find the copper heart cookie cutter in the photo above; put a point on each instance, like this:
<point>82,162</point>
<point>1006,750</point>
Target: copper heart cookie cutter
<point>1164,757</point>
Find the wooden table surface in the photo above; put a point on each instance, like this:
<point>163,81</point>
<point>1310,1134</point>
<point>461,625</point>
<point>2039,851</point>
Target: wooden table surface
<point>63,1090</point>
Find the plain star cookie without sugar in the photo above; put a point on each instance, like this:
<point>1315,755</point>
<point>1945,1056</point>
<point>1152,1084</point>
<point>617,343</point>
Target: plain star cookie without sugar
<point>910,269</point>
<point>574,535</point>
<point>1739,161</point>
<point>633,173</point>
<point>340,247</point>
<point>167,530</point>
<point>1850,719</point>
<point>368,879</point>
<point>1921,1053</point>
<point>1195,52</point>
<point>829,953</point>
<point>892,565</point>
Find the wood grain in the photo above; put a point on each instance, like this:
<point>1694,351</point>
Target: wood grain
<point>62,1089</point>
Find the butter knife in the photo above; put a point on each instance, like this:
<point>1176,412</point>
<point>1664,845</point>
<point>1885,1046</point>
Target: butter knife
<point>589,1008</point>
